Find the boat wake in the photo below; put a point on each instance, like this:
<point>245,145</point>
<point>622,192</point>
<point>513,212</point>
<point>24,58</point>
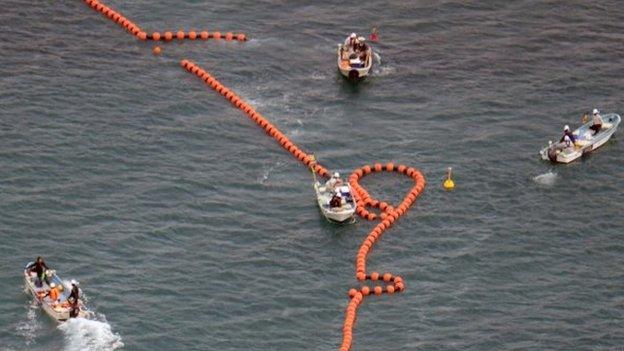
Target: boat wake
<point>377,58</point>
<point>30,327</point>
<point>85,334</point>
<point>546,179</point>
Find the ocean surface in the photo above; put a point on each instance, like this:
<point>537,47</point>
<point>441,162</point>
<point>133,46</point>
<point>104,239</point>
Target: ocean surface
<point>190,229</point>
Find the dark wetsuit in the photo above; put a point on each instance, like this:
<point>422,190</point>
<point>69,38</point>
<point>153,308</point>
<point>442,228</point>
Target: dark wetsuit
<point>335,201</point>
<point>73,300</point>
<point>570,135</point>
<point>40,268</point>
<point>75,294</point>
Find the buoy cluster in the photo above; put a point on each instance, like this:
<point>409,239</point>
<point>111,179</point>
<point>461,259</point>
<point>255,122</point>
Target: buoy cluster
<point>165,36</point>
<point>255,116</point>
<point>192,35</point>
<point>116,17</point>
<point>388,215</point>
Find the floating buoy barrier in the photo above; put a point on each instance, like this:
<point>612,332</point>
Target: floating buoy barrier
<point>135,30</point>
<point>388,214</point>
<point>270,129</point>
<point>448,184</point>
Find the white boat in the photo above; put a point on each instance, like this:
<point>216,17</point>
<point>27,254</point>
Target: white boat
<point>60,310</point>
<point>342,214</point>
<point>586,141</point>
<point>354,69</point>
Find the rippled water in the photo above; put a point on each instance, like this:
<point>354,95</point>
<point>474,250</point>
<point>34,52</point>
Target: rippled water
<point>190,229</point>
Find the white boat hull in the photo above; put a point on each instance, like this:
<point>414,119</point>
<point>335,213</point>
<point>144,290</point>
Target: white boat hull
<point>342,214</point>
<point>60,311</point>
<point>354,73</point>
<point>587,142</point>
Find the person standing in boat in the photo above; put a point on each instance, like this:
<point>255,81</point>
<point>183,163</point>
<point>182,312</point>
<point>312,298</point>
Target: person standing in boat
<point>350,41</point>
<point>568,133</point>
<point>361,48</point>
<point>596,122</point>
<point>40,268</point>
<point>74,295</point>
<point>334,181</point>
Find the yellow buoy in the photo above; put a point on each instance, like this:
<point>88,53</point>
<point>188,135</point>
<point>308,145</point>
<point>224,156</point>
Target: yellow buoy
<point>449,184</point>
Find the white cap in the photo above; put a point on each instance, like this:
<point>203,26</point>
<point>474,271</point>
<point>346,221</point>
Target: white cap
<point>337,175</point>
<point>353,35</point>
<point>596,111</point>
<point>361,39</point>
<point>74,282</point>
<point>52,285</point>
<point>567,127</point>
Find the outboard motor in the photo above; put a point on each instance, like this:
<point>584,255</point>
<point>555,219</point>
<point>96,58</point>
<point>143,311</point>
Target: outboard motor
<point>354,74</point>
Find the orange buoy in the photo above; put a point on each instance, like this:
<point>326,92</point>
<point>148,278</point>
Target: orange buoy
<point>241,37</point>
<point>157,50</point>
<point>192,35</point>
<point>180,35</point>
<point>168,36</point>
<point>216,35</point>
<point>204,35</point>
<point>155,36</point>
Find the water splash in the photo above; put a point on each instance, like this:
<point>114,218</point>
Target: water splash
<point>546,179</point>
<point>85,334</point>
<point>30,327</point>
<point>377,58</point>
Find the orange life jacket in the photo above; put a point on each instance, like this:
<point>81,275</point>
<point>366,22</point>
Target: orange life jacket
<point>54,294</point>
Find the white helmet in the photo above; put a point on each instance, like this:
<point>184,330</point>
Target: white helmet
<point>353,35</point>
<point>52,285</point>
<point>361,39</point>
<point>74,282</point>
<point>596,111</point>
<point>567,127</point>
<point>336,175</point>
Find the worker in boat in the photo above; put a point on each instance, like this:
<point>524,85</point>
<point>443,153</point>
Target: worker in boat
<point>350,41</point>
<point>74,295</point>
<point>596,121</point>
<point>40,268</point>
<point>53,293</point>
<point>336,201</point>
<point>568,133</point>
<point>74,309</point>
<point>334,182</point>
<point>362,48</point>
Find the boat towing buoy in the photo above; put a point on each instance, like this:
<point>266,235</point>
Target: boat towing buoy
<point>449,184</point>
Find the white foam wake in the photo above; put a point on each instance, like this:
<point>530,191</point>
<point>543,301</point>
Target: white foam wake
<point>85,334</point>
<point>31,326</point>
<point>547,179</point>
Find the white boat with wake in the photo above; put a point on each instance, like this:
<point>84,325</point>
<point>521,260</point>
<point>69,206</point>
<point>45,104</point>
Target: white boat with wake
<point>56,305</point>
<point>355,58</point>
<point>335,200</point>
<point>566,151</point>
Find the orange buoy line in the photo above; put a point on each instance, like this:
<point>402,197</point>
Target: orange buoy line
<point>388,213</point>
<point>302,156</point>
<point>388,216</point>
<point>166,36</point>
